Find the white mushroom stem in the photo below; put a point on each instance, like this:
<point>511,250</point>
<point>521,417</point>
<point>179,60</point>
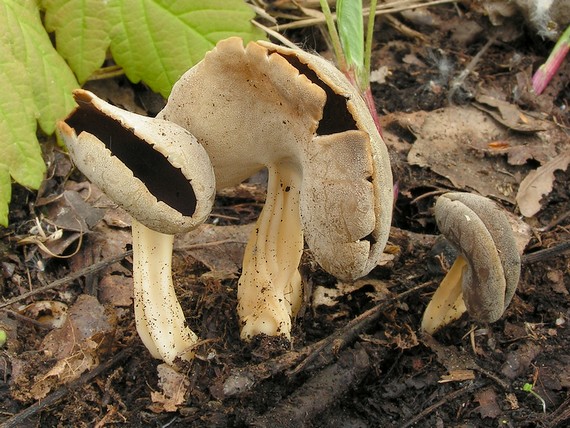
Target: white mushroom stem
<point>270,289</point>
<point>447,304</point>
<point>159,318</point>
<point>158,173</point>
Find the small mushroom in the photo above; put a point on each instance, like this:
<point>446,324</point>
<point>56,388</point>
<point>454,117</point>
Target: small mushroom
<point>484,277</point>
<point>158,173</point>
<point>329,173</point>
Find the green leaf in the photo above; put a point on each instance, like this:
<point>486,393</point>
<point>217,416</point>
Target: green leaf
<point>351,32</point>
<point>81,32</point>
<point>158,40</point>
<point>19,147</point>
<point>5,193</point>
<point>50,78</point>
<point>36,86</point>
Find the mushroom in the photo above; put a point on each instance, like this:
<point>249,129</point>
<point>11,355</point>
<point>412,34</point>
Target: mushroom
<point>158,173</point>
<point>484,277</point>
<point>329,181</point>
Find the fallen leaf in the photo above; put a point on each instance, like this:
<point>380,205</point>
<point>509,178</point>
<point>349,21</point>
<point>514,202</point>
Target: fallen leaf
<point>556,277</point>
<point>488,406</point>
<point>71,212</point>
<point>324,296</point>
<point>450,142</point>
<point>50,313</point>
<point>508,114</point>
<point>376,289</point>
<point>116,290</point>
<point>512,400</point>
<point>220,248</point>
<point>86,319</point>
<point>174,386</point>
<point>538,183</point>
<point>66,370</point>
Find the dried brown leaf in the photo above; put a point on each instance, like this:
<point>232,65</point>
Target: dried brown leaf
<point>446,143</point>
<point>174,386</point>
<point>509,114</point>
<point>220,248</point>
<point>487,399</point>
<point>538,183</point>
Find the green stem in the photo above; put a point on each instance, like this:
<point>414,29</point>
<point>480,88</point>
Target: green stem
<point>335,39</point>
<point>365,80</point>
<point>527,387</point>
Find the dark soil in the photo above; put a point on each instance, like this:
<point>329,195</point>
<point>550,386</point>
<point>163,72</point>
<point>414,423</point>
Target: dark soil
<point>360,362</point>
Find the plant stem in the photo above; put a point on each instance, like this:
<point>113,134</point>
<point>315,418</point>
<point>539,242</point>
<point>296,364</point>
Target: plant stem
<point>547,70</point>
<point>528,387</point>
<point>365,80</point>
<point>335,39</point>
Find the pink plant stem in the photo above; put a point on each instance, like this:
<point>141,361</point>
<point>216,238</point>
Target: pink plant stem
<point>547,70</point>
<point>369,100</point>
<point>367,96</point>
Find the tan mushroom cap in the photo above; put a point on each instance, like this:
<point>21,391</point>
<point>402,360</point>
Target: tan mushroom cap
<point>154,169</point>
<point>347,220</point>
<point>483,235</point>
<point>264,105</point>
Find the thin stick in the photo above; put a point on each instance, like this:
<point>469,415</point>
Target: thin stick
<point>243,379</point>
<point>449,397</point>
<point>349,332</point>
<point>70,278</point>
<point>380,10</point>
<point>19,419</point>
<point>328,386</point>
<point>547,253</point>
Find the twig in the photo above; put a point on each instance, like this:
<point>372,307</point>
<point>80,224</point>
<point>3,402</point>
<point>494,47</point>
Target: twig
<point>383,9</point>
<point>555,222</point>
<point>547,253</point>
<point>243,379</point>
<point>318,393</point>
<point>19,419</point>
<point>458,81</point>
<point>350,332</point>
<point>560,415</point>
<point>75,275</point>
<point>449,397</point>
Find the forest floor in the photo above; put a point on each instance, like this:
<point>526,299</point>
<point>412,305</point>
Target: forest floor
<point>458,113</point>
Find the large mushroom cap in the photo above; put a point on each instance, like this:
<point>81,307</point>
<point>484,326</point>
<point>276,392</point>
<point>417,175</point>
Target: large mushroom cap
<point>154,169</point>
<point>263,104</point>
<point>347,203</point>
<point>248,108</point>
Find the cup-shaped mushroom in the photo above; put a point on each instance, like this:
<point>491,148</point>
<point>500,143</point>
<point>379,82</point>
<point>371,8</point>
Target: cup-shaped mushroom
<point>159,174</point>
<point>329,173</point>
<point>483,279</point>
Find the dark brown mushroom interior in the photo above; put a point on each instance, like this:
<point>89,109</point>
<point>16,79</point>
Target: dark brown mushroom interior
<point>164,181</point>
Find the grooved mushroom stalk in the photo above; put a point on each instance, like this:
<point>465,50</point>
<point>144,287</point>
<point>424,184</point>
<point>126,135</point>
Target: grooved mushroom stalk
<point>270,290</point>
<point>158,173</point>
